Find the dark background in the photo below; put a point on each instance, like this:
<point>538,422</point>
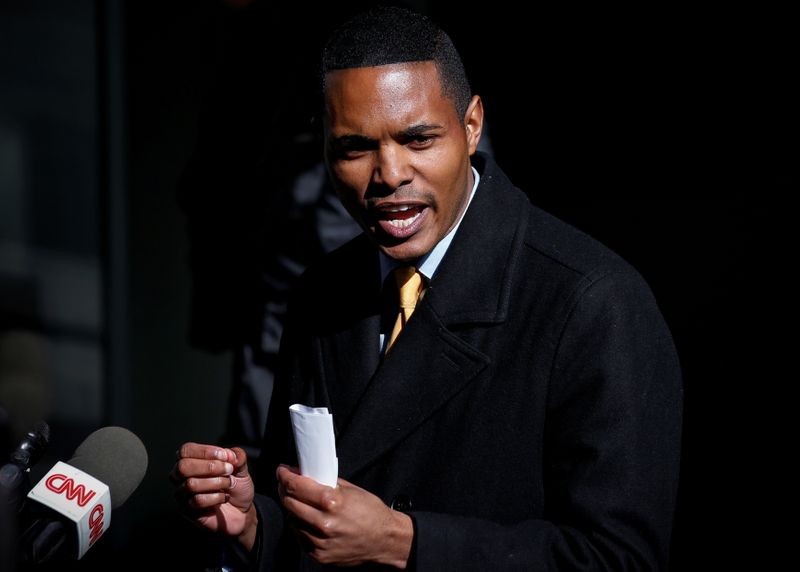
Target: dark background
<point>629,125</point>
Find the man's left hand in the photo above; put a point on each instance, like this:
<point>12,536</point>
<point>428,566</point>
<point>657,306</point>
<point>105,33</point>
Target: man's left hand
<point>346,525</point>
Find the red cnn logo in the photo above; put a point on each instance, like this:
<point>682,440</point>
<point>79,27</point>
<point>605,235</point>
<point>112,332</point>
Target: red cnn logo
<point>96,523</point>
<point>61,484</point>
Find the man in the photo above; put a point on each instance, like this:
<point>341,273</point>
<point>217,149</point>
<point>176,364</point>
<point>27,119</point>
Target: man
<point>527,416</point>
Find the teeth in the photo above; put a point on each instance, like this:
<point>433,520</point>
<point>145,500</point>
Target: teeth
<point>399,209</point>
<point>403,223</point>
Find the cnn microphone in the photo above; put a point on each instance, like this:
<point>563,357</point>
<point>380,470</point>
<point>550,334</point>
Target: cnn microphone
<point>71,505</point>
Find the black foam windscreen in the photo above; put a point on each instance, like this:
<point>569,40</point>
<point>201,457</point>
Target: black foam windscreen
<point>116,457</point>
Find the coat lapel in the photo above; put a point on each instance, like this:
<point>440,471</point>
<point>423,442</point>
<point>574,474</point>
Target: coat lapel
<point>426,368</point>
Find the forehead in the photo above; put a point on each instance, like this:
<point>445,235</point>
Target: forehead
<point>401,93</point>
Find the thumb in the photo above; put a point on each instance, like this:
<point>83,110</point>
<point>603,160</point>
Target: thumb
<point>240,463</point>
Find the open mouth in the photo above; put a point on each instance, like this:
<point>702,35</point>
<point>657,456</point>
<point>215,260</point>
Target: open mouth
<point>400,220</point>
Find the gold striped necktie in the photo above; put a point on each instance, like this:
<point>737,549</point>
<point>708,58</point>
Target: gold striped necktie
<point>409,283</point>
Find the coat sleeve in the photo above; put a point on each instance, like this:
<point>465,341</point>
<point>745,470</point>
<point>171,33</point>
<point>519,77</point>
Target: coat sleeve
<point>612,443</point>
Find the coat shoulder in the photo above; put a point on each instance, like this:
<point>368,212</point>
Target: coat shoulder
<point>555,242</point>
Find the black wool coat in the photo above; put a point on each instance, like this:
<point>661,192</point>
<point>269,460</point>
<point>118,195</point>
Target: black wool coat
<point>527,418</point>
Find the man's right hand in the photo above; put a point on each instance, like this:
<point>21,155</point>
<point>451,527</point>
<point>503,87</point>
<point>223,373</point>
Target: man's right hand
<point>215,491</point>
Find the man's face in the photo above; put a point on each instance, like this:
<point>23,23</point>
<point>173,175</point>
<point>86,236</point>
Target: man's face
<point>398,153</point>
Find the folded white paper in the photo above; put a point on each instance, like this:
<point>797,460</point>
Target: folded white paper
<point>316,445</point>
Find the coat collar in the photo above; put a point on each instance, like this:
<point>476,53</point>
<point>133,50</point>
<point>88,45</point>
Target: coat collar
<point>474,277</point>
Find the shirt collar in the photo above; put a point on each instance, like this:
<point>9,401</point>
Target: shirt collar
<point>428,263</point>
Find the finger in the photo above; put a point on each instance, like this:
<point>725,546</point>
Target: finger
<point>278,473</point>
<point>281,488</point>
<point>305,517</point>
<point>186,468</point>
<point>239,461</point>
<point>207,500</point>
<point>295,470</point>
<point>305,539</point>
<point>310,539</point>
<point>306,490</point>
<point>183,495</point>
<point>192,504</point>
<point>195,485</point>
<point>200,451</point>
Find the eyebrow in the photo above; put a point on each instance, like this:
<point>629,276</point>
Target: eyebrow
<point>361,141</point>
<point>353,142</point>
<point>420,129</point>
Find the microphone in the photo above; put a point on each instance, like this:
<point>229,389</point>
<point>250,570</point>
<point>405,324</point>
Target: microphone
<point>13,475</point>
<point>71,505</point>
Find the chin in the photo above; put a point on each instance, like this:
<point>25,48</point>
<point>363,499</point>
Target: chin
<point>406,251</point>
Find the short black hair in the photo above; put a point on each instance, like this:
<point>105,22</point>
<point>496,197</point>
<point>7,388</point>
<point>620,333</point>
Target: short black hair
<point>392,35</point>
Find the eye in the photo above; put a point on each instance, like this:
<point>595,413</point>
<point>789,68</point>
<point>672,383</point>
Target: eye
<point>347,148</point>
<point>349,153</point>
<point>421,141</point>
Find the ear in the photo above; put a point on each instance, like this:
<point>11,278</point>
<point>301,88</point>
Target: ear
<point>473,123</point>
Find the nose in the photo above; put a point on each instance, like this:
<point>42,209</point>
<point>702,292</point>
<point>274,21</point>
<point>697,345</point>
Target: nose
<point>393,168</point>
